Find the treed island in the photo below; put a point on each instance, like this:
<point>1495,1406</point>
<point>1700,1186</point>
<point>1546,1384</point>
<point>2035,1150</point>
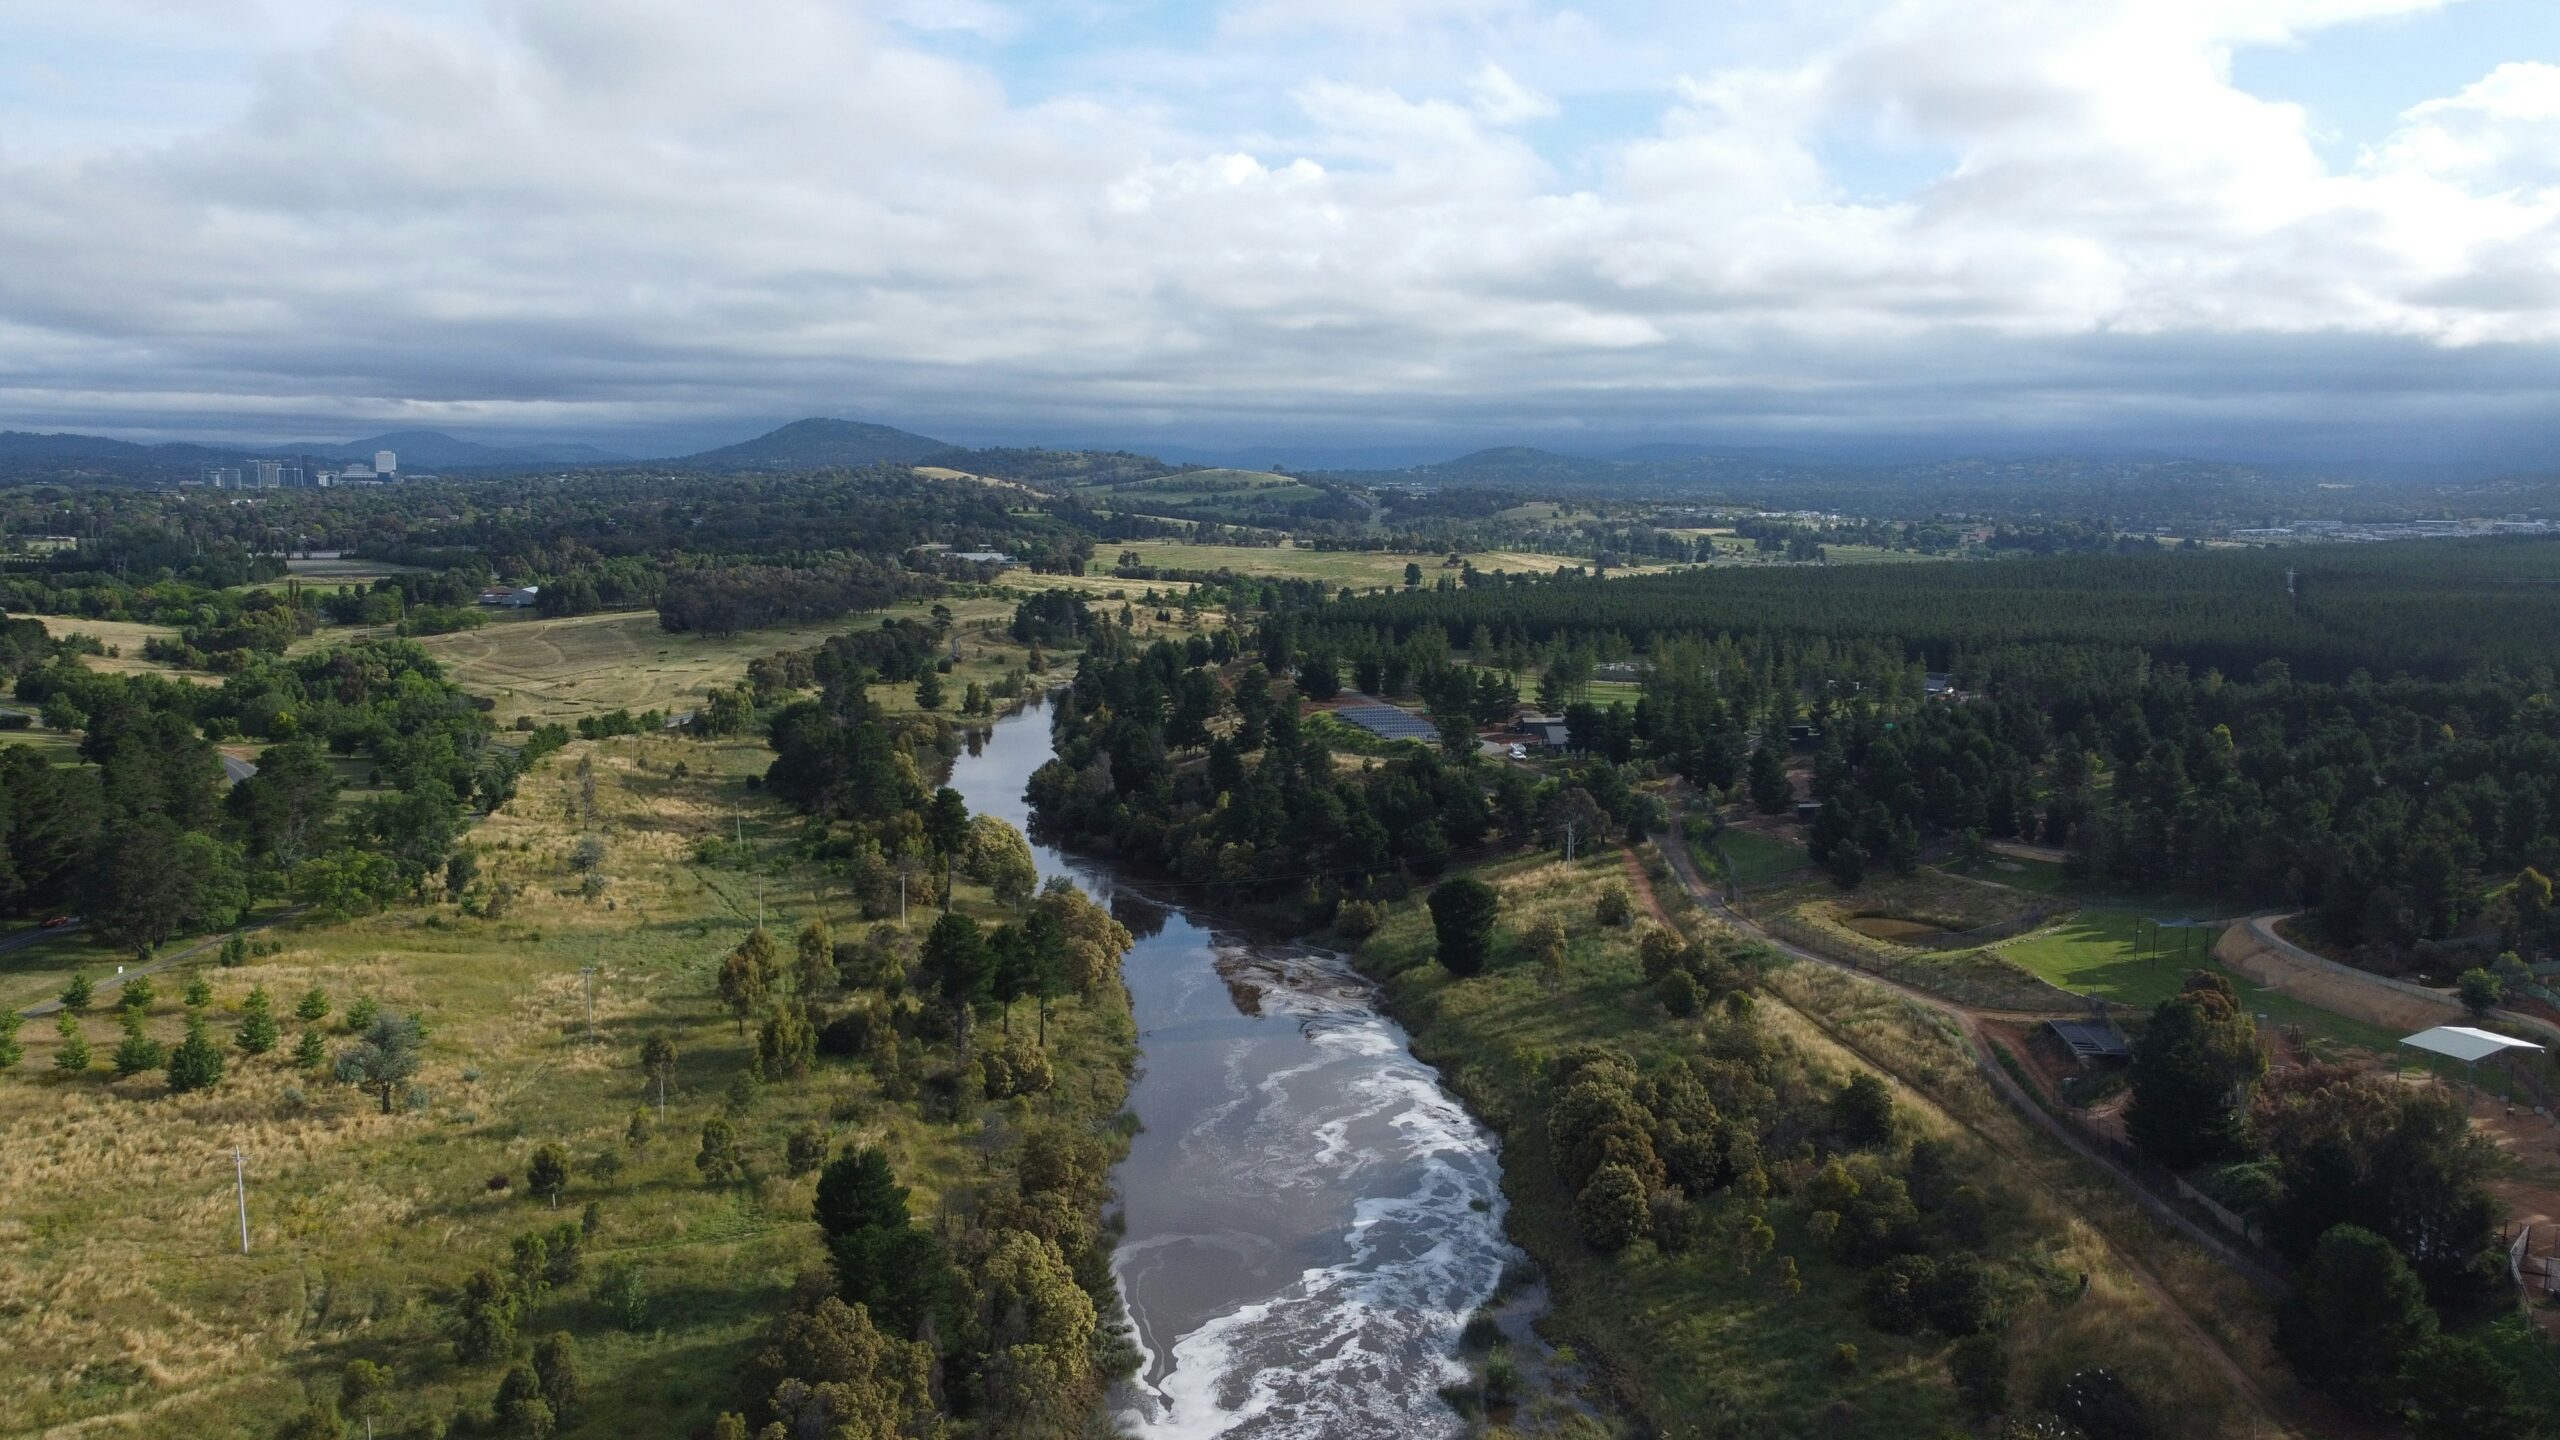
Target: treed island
<point>501,955</point>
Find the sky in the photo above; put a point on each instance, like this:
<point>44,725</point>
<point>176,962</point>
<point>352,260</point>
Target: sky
<point>2315,231</point>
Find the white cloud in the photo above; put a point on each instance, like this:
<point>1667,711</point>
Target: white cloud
<point>562,207</point>
<point>1502,100</point>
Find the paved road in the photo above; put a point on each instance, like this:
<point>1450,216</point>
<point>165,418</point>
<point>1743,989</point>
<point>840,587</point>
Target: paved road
<point>39,936</point>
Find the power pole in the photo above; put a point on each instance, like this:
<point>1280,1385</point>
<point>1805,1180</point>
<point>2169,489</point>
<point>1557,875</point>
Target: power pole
<point>240,1183</point>
<point>1569,830</point>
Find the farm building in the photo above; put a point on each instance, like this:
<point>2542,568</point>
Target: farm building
<point>511,597</point>
<point>2090,1042</point>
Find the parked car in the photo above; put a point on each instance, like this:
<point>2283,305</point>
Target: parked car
<point>57,922</point>
<point>1519,752</point>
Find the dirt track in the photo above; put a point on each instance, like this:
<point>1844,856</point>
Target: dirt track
<point>1971,1024</point>
<point>2244,949</point>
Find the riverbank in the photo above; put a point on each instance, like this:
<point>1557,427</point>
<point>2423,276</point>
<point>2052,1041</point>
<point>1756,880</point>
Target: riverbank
<point>1720,1321</point>
<point>1306,1218</point>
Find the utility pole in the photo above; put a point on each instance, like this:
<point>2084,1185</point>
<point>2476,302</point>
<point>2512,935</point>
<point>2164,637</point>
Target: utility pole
<point>759,902</point>
<point>1569,831</point>
<point>240,1183</point>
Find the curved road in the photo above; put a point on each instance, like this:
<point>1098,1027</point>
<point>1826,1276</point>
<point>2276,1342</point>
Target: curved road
<point>1969,1024</point>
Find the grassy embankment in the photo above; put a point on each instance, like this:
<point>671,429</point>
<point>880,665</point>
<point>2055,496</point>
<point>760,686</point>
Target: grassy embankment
<point>136,1311</point>
<point>1691,1338</point>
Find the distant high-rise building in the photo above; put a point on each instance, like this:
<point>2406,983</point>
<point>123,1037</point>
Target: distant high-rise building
<point>385,463</point>
<point>270,474</point>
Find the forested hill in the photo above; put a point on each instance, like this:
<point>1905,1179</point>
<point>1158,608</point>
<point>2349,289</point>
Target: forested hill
<point>2432,608</point>
<point>804,444</point>
<point>2127,492</point>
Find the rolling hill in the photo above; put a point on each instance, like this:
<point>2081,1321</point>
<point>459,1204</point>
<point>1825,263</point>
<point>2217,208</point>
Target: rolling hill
<point>815,444</point>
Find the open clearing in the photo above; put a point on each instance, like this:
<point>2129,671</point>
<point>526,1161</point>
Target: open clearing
<point>1360,569</point>
<point>117,1222</point>
<point>564,668</point>
<point>2118,955</point>
<point>127,638</point>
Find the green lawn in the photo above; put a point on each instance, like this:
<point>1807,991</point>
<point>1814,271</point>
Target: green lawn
<point>2039,877</point>
<point>2110,954</point>
<point>2118,955</point>
<point>54,745</point>
<point>1758,859</point>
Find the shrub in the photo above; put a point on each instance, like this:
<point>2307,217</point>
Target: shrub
<point>2480,990</point>
<point>2355,1313</point>
<point>1980,1370</point>
<point>1615,907</point>
<point>1663,951</point>
<point>1863,1110</point>
<point>1359,919</point>
<point>1612,1213</point>
<point>1678,993</point>
<point>1462,916</point>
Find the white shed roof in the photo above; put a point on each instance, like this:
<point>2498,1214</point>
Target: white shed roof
<point>2464,1043</point>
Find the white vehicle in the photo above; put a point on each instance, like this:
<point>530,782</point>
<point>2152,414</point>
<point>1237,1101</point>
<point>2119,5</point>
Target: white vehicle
<point>1519,752</point>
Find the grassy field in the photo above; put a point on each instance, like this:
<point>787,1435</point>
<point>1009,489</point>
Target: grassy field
<point>561,669</point>
<point>2117,955</point>
<point>54,745</point>
<point>1359,569</point>
<point>1705,1342</point>
<point>331,573</point>
<point>127,637</point>
<point>1759,859</point>
<point>2039,877</point>
<point>138,1315</point>
<point>1226,492</point>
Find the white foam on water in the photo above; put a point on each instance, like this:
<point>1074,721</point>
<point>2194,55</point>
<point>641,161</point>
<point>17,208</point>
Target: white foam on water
<point>1359,1347</point>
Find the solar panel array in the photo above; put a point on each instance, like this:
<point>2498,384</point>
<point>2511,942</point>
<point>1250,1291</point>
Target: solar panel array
<point>1388,721</point>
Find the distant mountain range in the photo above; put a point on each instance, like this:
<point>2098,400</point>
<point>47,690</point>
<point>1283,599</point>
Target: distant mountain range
<point>2129,489</point>
<point>417,449</point>
<point>435,450</point>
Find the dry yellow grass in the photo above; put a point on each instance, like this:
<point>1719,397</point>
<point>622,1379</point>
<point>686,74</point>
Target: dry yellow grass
<point>126,1308</point>
<point>127,637</point>
<point>1683,1328</point>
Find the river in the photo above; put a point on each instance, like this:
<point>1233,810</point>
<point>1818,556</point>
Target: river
<point>1310,1217</point>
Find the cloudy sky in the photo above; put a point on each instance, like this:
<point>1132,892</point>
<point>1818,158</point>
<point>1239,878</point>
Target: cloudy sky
<point>2316,229</point>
